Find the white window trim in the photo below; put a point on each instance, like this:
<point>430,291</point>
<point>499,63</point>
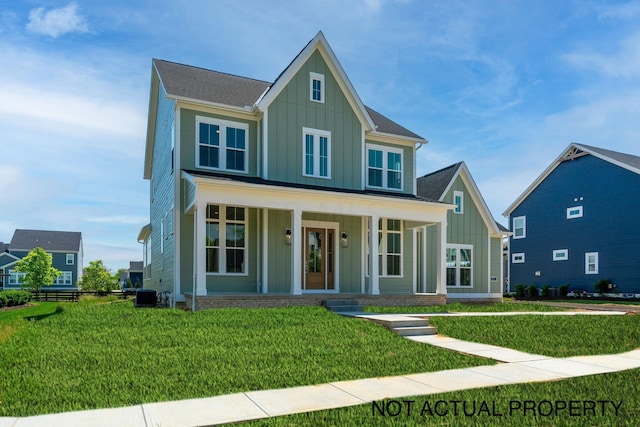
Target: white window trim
<point>316,133</point>
<point>222,157</point>
<point>524,227</point>
<point>576,215</point>
<point>320,77</point>
<point>222,247</point>
<point>517,258</point>
<point>557,255</point>
<point>457,248</point>
<point>63,277</point>
<point>459,194</point>
<point>385,150</point>
<point>586,263</point>
<point>15,278</point>
<point>70,259</point>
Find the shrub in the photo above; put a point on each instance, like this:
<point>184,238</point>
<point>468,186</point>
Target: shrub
<point>602,286</point>
<point>532,291</point>
<point>545,291</point>
<point>13,297</point>
<point>563,290</point>
<point>519,290</point>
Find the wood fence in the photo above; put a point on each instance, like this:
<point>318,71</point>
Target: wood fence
<point>73,295</point>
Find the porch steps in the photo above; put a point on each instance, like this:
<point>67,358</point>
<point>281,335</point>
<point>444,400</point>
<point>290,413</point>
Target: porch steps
<point>341,305</point>
<point>408,326</point>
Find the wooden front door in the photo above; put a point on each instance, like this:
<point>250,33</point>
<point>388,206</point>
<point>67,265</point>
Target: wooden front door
<point>318,259</point>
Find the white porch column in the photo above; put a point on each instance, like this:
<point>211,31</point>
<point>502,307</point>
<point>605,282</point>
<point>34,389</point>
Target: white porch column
<point>265,250</point>
<point>374,279</point>
<point>200,253</point>
<point>441,273</point>
<point>296,252</point>
<point>423,284</point>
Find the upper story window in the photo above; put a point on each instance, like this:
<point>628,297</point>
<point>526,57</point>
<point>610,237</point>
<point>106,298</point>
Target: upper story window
<point>316,87</point>
<point>458,200</point>
<point>384,167</point>
<point>70,259</point>
<point>316,153</point>
<point>221,144</point>
<point>520,227</point>
<point>561,255</point>
<point>517,258</point>
<point>574,212</point>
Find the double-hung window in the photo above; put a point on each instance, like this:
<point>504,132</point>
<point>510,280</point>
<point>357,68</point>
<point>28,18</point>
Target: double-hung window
<point>389,247</point>
<point>15,278</point>
<point>70,259</point>
<point>459,265</point>
<point>591,263</point>
<point>316,87</point>
<point>316,161</point>
<point>225,240</point>
<point>64,279</point>
<point>520,227</point>
<point>384,167</point>
<point>222,144</point>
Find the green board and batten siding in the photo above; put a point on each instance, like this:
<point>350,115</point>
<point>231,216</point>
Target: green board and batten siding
<point>292,110</point>
<point>496,265</point>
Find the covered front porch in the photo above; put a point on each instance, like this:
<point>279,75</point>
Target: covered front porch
<point>263,239</point>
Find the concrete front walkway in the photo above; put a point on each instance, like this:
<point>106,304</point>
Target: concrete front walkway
<point>519,367</point>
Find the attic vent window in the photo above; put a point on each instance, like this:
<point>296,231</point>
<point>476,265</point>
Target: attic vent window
<point>574,212</point>
<point>316,87</point>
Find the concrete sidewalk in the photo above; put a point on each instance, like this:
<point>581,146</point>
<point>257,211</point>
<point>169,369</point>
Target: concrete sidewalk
<point>519,367</point>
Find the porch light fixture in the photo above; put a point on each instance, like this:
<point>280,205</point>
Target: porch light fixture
<point>344,238</point>
<point>287,236</point>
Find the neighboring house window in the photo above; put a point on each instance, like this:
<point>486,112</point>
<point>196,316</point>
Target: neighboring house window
<point>561,255</point>
<point>316,87</point>
<point>520,227</point>
<point>384,167</point>
<point>591,263</point>
<point>15,278</point>
<point>389,247</point>
<point>70,259</point>
<point>574,212</point>
<point>517,258</point>
<point>316,153</point>
<point>458,200</point>
<point>459,265</point>
<point>225,240</point>
<point>64,279</point>
<point>221,144</point>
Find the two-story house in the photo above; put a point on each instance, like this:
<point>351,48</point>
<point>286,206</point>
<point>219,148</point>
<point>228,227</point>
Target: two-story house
<point>287,188</point>
<point>577,222</point>
<point>474,259</point>
<point>65,248</point>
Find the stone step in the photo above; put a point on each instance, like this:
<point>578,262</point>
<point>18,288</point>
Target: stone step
<point>338,305</point>
<point>399,323</point>
<point>410,331</point>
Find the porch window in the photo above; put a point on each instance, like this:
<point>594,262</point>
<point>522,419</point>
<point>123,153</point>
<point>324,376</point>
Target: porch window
<point>222,144</point>
<point>384,167</point>
<point>225,240</point>
<point>459,265</point>
<point>316,161</point>
<point>389,247</point>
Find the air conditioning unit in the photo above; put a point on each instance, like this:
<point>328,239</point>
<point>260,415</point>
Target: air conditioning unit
<point>146,298</point>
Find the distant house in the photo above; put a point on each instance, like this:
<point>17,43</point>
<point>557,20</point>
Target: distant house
<point>578,223</point>
<point>132,278</point>
<point>283,191</point>
<point>65,248</point>
<point>474,240</point>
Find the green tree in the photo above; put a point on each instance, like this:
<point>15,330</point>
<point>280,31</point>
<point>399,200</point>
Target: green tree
<point>97,277</point>
<point>37,269</point>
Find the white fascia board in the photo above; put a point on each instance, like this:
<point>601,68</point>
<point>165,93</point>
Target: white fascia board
<point>320,43</point>
<point>394,139</point>
<point>537,182</point>
<point>288,198</point>
<point>242,112</point>
<point>607,159</point>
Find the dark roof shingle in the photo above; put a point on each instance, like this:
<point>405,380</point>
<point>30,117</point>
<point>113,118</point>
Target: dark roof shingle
<point>433,185</point>
<point>27,240</point>
<point>627,159</point>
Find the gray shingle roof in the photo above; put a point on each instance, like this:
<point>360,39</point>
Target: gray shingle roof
<point>221,88</point>
<point>27,240</point>
<point>4,247</point>
<point>136,266</point>
<point>628,159</point>
<point>433,185</point>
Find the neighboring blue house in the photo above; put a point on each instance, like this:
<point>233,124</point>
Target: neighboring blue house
<point>578,222</point>
<point>65,247</point>
<point>474,239</point>
<point>282,192</point>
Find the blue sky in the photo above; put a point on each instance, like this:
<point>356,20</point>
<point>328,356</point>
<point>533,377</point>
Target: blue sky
<point>503,85</point>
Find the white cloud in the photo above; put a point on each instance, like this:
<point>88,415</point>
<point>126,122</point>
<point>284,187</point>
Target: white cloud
<point>621,62</point>
<point>57,22</point>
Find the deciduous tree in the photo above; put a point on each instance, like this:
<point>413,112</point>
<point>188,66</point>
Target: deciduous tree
<point>96,277</point>
<point>37,269</point>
